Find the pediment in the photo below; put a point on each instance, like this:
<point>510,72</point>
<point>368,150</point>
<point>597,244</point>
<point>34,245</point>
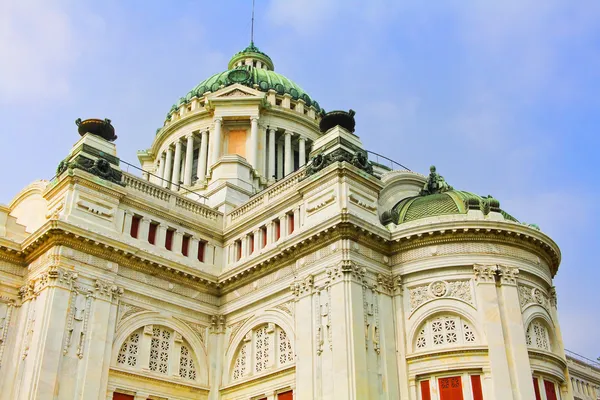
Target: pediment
<point>236,91</point>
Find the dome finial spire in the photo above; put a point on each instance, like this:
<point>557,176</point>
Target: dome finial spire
<point>252,27</point>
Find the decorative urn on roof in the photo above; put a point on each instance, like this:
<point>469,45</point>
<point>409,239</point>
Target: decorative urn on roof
<point>345,119</point>
<point>98,127</point>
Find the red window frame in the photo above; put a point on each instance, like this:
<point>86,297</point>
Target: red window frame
<point>277,230</point>
<point>289,395</point>
<point>264,236</point>
<point>536,389</point>
<point>152,232</point>
<point>550,390</point>
<point>135,226</point>
<point>251,240</point>
<point>201,246</point>
<point>290,223</point>
<point>476,387</point>
<point>185,245</point>
<point>425,390</point>
<point>121,396</point>
<point>169,239</point>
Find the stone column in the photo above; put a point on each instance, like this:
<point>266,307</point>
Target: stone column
<point>301,151</point>
<point>161,167</point>
<point>271,167</point>
<point>347,342</point>
<point>215,352</point>
<point>289,160</point>
<point>144,229</point>
<point>244,243</point>
<point>279,156</point>
<point>168,168</point>
<point>305,334</point>
<point>516,347</point>
<point>401,346</point>
<point>202,156</point>
<point>216,141</point>
<point>269,233</point>
<point>253,142</point>
<point>161,236</point>
<point>128,217</point>
<point>176,166</point>
<point>189,159</point>
<point>283,228</point>
<point>566,390</point>
<point>177,242</point>
<point>193,248</point>
<point>262,152</point>
<point>489,311</point>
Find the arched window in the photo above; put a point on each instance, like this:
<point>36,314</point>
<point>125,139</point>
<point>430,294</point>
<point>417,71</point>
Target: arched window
<point>164,347</point>
<point>537,336</point>
<point>444,331</point>
<point>264,348</point>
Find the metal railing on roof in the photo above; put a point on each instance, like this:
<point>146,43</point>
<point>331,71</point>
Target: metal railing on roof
<point>583,359</point>
<point>197,196</point>
<point>385,161</point>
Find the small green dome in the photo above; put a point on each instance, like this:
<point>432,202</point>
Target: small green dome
<point>249,75</point>
<point>446,203</point>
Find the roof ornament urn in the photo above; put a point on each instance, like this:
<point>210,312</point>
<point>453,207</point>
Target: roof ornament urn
<point>98,127</point>
<point>345,119</point>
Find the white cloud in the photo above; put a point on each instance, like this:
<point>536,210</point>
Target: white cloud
<point>37,49</point>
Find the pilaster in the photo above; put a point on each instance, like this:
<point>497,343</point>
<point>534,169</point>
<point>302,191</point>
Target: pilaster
<point>516,348</point>
<point>215,350</point>
<point>489,312</point>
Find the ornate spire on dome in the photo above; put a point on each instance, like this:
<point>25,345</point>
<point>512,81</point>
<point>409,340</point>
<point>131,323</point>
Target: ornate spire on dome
<point>251,55</point>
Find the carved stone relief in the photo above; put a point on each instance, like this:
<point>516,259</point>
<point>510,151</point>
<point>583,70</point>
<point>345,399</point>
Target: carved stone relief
<point>459,289</point>
<point>530,295</point>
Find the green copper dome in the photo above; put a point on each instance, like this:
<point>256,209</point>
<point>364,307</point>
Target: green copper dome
<point>438,198</point>
<point>265,79</point>
<point>446,203</point>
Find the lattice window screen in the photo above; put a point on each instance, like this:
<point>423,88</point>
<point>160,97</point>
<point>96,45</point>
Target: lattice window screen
<point>286,355</point>
<point>444,331</point>
<point>261,357</point>
<point>159,350</point>
<point>187,368</point>
<point>537,336</point>
<point>129,350</point>
<point>239,368</point>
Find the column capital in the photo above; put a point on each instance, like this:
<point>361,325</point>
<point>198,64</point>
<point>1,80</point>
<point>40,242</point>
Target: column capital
<point>508,275</point>
<point>218,119</point>
<point>254,118</point>
<point>288,133</point>
<point>485,273</point>
<point>302,286</point>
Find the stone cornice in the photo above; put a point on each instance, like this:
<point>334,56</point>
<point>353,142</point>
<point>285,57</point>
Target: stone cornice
<point>548,357</point>
<point>183,384</point>
<point>72,177</point>
<point>479,231</point>
<point>447,353</point>
<point>169,215</point>
<point>249,380</point>
<point>59,233</point>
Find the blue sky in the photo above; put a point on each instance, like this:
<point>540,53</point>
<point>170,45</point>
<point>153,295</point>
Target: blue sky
<point>501,96</point>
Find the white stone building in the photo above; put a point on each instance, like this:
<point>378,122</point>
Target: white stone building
<point>261,255</point>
